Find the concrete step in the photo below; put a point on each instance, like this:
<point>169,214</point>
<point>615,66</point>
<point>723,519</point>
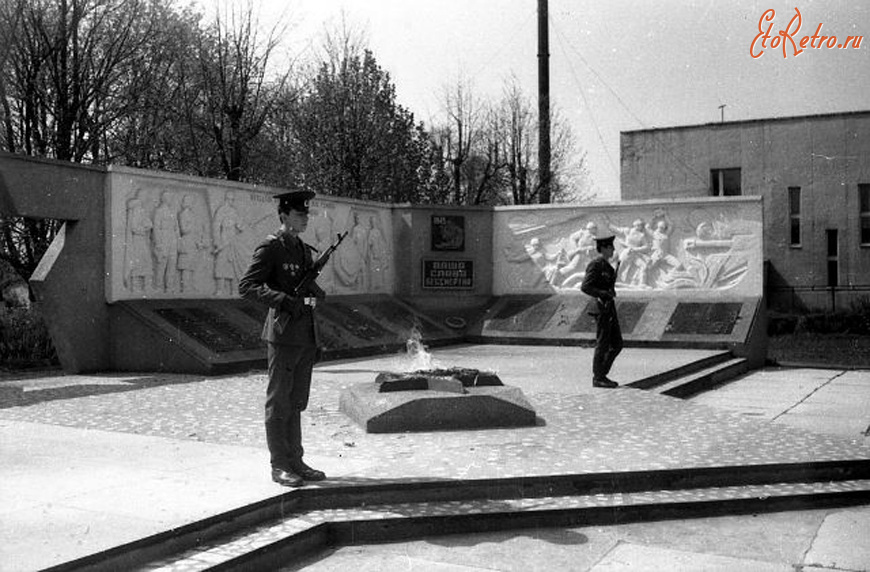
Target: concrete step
<point>282,542</point>
<point>689,369</point>
<point>278,531</point>
<point>705,379</point>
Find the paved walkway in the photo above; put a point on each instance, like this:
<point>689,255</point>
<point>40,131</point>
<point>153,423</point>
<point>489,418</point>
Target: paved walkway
<point>91,462</point>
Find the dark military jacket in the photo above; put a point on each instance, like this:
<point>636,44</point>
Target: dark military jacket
<point>277,266</point>
<point>600,282</point>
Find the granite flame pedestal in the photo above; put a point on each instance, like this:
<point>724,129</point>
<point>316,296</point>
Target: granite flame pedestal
<point>436,401</point>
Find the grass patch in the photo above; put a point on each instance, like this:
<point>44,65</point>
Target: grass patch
<point>821,349</point>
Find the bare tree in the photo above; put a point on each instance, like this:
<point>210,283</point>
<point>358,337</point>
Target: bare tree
<point>238,94</point>
<point>460,134</point>
<point>490,150</point>
<point>69,71</point>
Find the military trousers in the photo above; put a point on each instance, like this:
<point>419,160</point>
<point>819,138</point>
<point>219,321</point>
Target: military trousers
<point>608,342</point>
<point>286,398</point>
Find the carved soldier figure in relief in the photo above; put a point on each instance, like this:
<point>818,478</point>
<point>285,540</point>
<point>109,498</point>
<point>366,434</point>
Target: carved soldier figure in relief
<point>634,258</point>
<point>165,241</point>
<point>378,262</point>
<point>193,240</point>
<point>137,250</point>
<point>579,253</point>
<point>228,264</point>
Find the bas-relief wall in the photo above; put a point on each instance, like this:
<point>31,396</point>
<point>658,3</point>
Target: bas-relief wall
<point>181,237</point>
<point>691,248</point>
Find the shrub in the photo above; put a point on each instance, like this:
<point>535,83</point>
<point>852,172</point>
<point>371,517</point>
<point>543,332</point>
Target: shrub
<point>860,316</point>
<point>24,339</point>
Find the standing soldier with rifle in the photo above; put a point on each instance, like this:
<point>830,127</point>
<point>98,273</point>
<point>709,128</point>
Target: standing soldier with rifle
<point>281,276</point>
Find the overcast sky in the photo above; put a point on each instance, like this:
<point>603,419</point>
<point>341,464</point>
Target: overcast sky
<point>615,65</point>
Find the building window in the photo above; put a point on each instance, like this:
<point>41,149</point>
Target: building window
<point>725,182</point>
<point>864,193</point>
<point>794,215</point>
<point>833,257</point>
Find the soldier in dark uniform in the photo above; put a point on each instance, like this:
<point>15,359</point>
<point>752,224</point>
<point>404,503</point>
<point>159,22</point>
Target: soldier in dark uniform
<point>600,283</point>
<point>277,266</point>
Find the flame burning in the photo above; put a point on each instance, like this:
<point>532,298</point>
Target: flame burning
<point>417,354</point>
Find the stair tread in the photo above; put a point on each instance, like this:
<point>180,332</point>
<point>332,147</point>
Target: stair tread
<point>699,374</point>
<point>224,549</point>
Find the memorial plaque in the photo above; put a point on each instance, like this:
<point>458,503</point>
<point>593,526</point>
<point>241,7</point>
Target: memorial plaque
<point>524,315</point>
<point>210,329</point>
<point>353,321</point>
<point>448,233</point>
<point>629,315</point>
<point>704,318</point>
<point>585,322</point>
<point>448,274</point>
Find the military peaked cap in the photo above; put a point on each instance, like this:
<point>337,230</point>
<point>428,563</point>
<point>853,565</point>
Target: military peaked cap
<point>295,200</point>
<point>604,241</point>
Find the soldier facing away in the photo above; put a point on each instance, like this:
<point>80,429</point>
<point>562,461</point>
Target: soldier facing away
<point>600,283</point>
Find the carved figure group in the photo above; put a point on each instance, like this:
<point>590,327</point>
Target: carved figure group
<point>645,256</point>
<point>362,264</point>
<point>169,251</point>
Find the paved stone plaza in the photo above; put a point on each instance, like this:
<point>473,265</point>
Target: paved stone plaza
<point>102,460</point>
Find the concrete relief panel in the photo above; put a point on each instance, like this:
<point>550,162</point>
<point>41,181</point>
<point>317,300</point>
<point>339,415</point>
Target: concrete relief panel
<point>684,247</point>
<point>178,237</point>
<point>363,264</point>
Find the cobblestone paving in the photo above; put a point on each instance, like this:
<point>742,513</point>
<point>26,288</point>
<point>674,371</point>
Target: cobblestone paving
<point>615,430</point>
<point>593,432</point>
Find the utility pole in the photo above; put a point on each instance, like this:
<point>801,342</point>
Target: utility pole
<point>543,103</point>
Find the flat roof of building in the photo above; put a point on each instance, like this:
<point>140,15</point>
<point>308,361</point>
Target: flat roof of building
<point>752,121</point>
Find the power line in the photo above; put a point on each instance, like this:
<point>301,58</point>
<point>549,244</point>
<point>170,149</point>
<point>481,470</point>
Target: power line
<point>514,36</point>
<point>625,106</point>
<point>560,37</point>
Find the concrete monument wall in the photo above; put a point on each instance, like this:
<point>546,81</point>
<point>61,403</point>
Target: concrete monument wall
<point>144,272</point>
<point>174,236</point>
<point>692,248</point>
<point>68,282</point>
<point>443,253</point>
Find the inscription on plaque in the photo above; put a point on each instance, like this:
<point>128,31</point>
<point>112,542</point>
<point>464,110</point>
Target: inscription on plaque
<point>629,315</point>
<point>210,329</point>
<point>704,318</point>
<point>524,315</point>
<point>448,274</point>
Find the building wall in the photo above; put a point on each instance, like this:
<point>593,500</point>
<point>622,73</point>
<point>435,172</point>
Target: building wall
<point>827,156</point>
